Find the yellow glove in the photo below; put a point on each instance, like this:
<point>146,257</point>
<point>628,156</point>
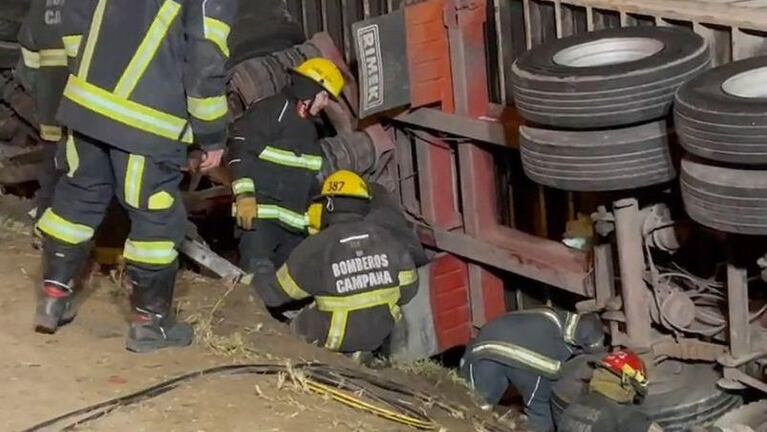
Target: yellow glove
<point>247,212</point>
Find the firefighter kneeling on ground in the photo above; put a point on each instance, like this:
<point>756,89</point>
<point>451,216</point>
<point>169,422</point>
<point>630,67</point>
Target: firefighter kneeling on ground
<point>275,159</point>
<point>525,350</point>
<point>355,270</point>
<point>619,381</point>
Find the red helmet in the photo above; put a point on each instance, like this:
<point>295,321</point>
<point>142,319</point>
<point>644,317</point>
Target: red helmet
<point>628,366</point>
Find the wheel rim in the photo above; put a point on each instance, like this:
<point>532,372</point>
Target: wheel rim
<point>750,84</point>
<point>608,51</point>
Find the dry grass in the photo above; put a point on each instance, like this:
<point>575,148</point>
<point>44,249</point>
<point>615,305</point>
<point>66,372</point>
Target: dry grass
<point>432,371</point>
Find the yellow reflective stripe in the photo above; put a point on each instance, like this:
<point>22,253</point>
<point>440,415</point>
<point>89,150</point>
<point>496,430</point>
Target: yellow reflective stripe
<point>147,49</point>
<point>31,58</point>
<point>150,252</point>
<point>289,285</point>
<point>407,277</point>
<point>288,217</point>
<point>90,43</point>
<point>519,354</point>
<point>571,323</point>
<point>53,58</point>
<point>72,44</point>
<point>161,201</point>
<point>379,297</point>
<point>288,158</point>
<point>127,112</point>
<point>73,158</point>
<point>61,229</point>
<point>50,133</point>
<point>207,109</point>
<point>244,185</point>
<point>217,32</point>
<point>134,174</point>
<point>545,312</point>
<point>337,330</point>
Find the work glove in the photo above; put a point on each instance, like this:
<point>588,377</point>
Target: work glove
<point>247,212</point>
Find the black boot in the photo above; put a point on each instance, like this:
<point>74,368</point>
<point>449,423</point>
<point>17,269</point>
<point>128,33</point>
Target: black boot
<point>154,326</point>
<point>61,263</point>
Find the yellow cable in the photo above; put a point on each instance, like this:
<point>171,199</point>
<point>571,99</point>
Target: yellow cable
<point>360,404</point>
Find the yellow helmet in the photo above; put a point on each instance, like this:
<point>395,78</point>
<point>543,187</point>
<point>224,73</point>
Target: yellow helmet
<point>345,183</point>
<point>324,72</point>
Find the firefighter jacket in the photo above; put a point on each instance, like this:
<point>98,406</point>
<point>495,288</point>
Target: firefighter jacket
<point>539,340</point>
<point>274,154</point>
<point>597,413</point>
<point>43,68</point>
<point>149,76</point>
<point>358,276</point>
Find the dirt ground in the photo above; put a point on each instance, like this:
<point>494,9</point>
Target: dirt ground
<point>85,362</point>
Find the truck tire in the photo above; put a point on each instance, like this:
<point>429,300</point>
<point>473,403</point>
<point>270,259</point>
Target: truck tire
<point>606,78</point>
<point>725,199</point>
<point>719,114</point>
<point>589,161</point>
<point>690,398</point>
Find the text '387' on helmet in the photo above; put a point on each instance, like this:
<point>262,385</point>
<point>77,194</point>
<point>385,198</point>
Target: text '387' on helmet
<point>345,184</point>
<point>325,73</point>
<point>628,366</point>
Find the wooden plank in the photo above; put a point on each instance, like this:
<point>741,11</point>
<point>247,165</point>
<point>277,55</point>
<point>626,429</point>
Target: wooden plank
<point>311,16</point>
<point>719,43</point>
<point>746,44</point>
<point>351,12</point>
<point>685,10</point>
<point>529,24</point>
<point>332,20</point>
<point>510,36</point>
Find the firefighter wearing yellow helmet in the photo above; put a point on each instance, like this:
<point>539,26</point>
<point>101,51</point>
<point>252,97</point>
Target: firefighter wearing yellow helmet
<point>356,271</point>
<point>275,160</point>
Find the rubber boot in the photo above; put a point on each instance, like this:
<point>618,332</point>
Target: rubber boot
<point>154,326</point>
<point>61,263</point>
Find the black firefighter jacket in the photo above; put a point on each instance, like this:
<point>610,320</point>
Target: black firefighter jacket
<point>274,154</point>
<point>149,75</point>
<point>358,276</point>
<point>43,66</point>
<point>597,413</point>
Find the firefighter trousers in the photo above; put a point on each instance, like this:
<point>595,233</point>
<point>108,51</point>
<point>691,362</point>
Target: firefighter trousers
<point>147,188</point>
<point>267,241</point>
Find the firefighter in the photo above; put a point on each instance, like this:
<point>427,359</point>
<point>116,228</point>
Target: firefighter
<point>148,80</point>
<point>525,350</point>
<point>356,272</point>
<point>43,72</point>
<point>275,161</point>
<point>619,381</point>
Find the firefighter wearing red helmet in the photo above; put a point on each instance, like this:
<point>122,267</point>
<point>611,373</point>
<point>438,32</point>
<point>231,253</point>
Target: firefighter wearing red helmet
<point>618,383</point>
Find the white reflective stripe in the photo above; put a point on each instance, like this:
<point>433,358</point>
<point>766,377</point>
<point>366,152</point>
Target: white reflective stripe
<point>288,158</point>
<point>519,354</point>
<point>61,229</point>
<point>571,323</point>
<point>217,32</point>
<point>134,174</point>
<point>150,252</point>
<point>282,113</point>
<point>90,43</point>
<point>53,58</point>
<point>147,49</point>
<point>125,111</point>
<point>244,185</point>
<point>72,44</point>
<point>547,313</point>
<point>31,58</point>
<point>288,217</point>
<point>535,390</point>
<point>379,297</point>
<point>352,238</point>
<point>207,109</point>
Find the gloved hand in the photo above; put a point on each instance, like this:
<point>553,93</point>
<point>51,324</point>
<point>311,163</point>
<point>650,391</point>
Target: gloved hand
<point>247,212</point>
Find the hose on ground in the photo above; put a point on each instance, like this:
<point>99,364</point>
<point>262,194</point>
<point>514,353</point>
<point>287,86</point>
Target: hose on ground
<point>358,390</point>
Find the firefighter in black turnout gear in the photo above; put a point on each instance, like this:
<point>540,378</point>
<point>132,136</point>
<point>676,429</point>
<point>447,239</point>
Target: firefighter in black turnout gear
<point>355,270</point>
<point>148,79</point>
<point>43,72</point>
<point>619,381</point>
<point>525,350</point>
<point>275,160</point>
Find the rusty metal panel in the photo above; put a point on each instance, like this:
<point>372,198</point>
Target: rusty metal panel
<point>450,302</point>
<point>437,181</point>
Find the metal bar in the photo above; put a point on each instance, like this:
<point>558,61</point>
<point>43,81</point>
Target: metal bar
<point>632,266</point>
<point>407,173</point>
<point>312,16</point>
<point>529,256</point>
<point>737,305</point>
<point>493,128</point>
